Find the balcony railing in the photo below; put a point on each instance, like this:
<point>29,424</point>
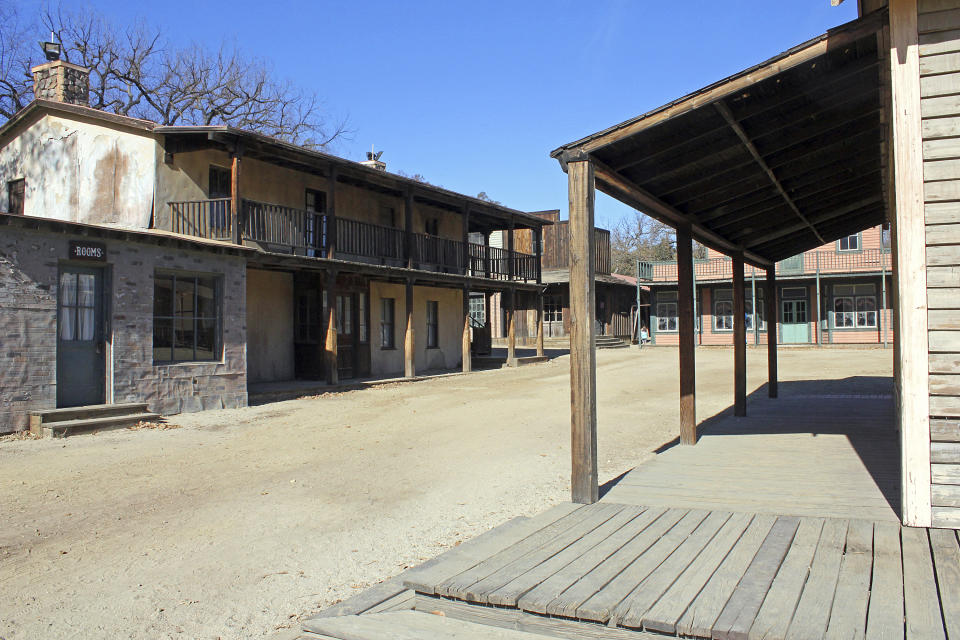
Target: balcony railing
<point>804,264</point>
<point>308,233</point>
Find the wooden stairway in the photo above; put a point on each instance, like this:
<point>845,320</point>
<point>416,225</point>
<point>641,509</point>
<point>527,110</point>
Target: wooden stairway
<point>61,422</point>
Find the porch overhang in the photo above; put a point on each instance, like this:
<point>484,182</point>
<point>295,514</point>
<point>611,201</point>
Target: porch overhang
<point>770,162</point>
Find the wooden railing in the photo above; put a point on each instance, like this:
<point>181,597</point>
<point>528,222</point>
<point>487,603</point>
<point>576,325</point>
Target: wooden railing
<point>210,219</point>
<point>804,264</point>
<point>308,233</point>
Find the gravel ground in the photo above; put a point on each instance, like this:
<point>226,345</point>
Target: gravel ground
<point>242,522</point>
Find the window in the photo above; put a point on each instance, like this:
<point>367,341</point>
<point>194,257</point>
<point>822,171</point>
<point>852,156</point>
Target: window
<point>432,226</point>
<point>885,235</point>
<point>362,318</point>
<point>552,309</point>
<point>760,315</point>
<point>478,312</point>
<point>306,323</point>
<point>723,310</point>
<point>344,316</point>
<point>850,243</point>
<point>77,306</point>
<point>386,323</point>
<point>186,318</point>
<point>667,312</point>
<point>854,306</point>
<point>315,202</point>
<point>433,325</point>
<point>16,193</point>
<point>219,188</point>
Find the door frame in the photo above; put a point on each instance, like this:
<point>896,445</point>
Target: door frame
<point>102,319</point>
<point>806,323</point>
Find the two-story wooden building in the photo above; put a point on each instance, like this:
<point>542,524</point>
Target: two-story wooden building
<point>839,293</point>
<point>182,266</point>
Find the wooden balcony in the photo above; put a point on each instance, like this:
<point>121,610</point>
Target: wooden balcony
<point>804,264</point>
<point>307,233</point>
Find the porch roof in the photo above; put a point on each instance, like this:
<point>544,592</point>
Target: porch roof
<point>772,161</point>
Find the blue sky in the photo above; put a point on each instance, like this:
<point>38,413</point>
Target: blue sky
<point>474,95</point>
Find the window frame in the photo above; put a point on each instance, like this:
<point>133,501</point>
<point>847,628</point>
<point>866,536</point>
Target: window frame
<point>217,285</point>
<point>553,308</point>
<point>17,187</point>
<point>478,310</point>
<point>856,249</point>
<point>433,324</point>
<point>388,324</point>
<point>665,301</point>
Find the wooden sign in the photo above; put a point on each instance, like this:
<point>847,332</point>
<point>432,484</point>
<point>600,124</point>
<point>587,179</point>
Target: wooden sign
<point>82,250</point>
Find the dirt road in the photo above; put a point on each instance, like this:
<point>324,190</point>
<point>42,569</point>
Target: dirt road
<point>242,521</point>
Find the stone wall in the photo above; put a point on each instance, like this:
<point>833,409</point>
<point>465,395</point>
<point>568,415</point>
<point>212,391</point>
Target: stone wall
<point>29,267</point>
<point>62,81</point>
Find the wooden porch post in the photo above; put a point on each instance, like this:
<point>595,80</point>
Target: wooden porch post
<point>511,328</point>
<point>466,240</point>
<point>540,324</point>
<point>331,213</point>
<point>685,325</point>
<point>465,339</point>
<point>235,201</point>
<point>910,268</point>
<point>511,258</point>
<point>739,339</point>
<point>583,369</point>
<point>409,363</point>
<point>331,336</point>
<point>773,307</point>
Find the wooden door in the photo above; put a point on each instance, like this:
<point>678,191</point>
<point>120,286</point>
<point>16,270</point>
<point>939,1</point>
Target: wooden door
<point>345,314</point>
<point>81,355</point>
<point>794,328</point>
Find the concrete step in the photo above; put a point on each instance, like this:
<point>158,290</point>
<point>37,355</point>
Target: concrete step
<point>65,428</point>
<point>89,411</point>
<point>609,342</point>
<point>61,422</point>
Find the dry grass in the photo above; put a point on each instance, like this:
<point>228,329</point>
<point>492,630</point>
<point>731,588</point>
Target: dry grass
<point>19,435</point>
<point>146,424</point>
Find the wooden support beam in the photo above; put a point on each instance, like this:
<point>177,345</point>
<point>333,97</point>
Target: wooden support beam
<point>235,200</point>
<point>330,360</point>
<point>540,324</point>
<point>465,338</point>
<point>685,325</point>
<point>331,212</point>
<point>910,266</point>
<point>724,110</point>
<point>583,366</point>
<point>739,339</point>
<point>773,308</point>
<point>757,239</point>
<point>409,356</point>
<point>511,327</point>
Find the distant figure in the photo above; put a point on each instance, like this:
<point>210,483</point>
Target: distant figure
<point>644,336</point>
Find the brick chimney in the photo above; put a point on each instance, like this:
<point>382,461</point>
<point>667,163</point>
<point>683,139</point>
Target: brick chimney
<point>61,81</point>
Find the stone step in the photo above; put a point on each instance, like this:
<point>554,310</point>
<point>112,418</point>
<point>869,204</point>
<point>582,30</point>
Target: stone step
<point>88,411</point>
<point>65,427</point>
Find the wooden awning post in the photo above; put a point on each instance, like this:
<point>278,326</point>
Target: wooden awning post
<point>465,339</point>
<point>772,326</point>
<point>739,339</point>
<point>540,324</point>
<point>408,241</point>
<point>409,366</point>
<point>331,336</point>
<point>331,213</point>
<point>685,325</point>
<point>583,369</point>
<point>235,201</point>
<point>511,327</point>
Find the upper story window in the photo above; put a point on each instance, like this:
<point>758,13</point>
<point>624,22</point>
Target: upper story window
<point>187,318</point>
<point>431,226</point>
<point>885,235</point>
<point>16,194</point>
<point>850,243</point>
<point>314,202</point>
<point>219,183</point>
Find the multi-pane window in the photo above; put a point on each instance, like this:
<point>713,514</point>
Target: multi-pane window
<point>307,321</point>
<point>478,312</point>
<point>667,311</point>
<point>760,315</point>
<point>433,324</point>
<point>186,318</point>
<point>854,306</point>
<point>552,309</point>
<point>386,323</point>
<point>16,194</point>
<point>885,235</point>
<point>850,243</point>
<point>723,310</point>
<point>362,318</point>
<point>77,306</point>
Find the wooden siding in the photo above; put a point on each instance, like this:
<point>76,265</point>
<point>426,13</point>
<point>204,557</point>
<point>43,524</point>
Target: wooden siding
<point>556,248</point>
<point>939,36</point>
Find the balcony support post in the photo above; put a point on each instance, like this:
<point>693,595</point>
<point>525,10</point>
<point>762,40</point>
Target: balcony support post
<point>330,352</point>
<point>465,339</point>
<point>408,230</point>
<point>409,362</point>
<point>331,213</point>
<point>511,256</point>
<point>511,327</point>
<point>538,246</point>
<point>540,323</point>
<point>466,241</point>
<point>772,330</point>
<point>235,195</point>
<point>686,326</point>
<point>739,339</point>
<point>486,255</point>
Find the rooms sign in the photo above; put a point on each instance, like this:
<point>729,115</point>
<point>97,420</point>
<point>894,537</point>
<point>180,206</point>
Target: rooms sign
<point>95,251</point>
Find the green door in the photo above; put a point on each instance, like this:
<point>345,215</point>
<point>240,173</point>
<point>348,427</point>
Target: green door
<point>793,323</point>
<point>80,345</point>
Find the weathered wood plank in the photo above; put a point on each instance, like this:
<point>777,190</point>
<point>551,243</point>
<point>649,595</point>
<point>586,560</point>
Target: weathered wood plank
<point>885,612</point>
<point>930,6</point>
<point>938,21</point>
<point>741,609</point>
<point>427,576</point>
<point>944,384</point>
<point>943,255</point>
<point>941,169</point>
<point>699,618</point>
<point>601,605</point>
<point>945,63</point>
<point>943,298</point>
<point>366,599</point>
<point>946,517</point>
<point>946,561</point>
<point>941,191</point>
<point>942,212</point>
<point>411,625</point>
<point>775,614</point>
<point>943,320</point>
<point>939,107</point>
<point>569,602</point>
<point>848,617</point>
<point>919,588</point>
<point>945,495</point>
<point>457,585</point>
<point>666,613</point>
<point>945,473</point>
<point>948,277</point>
<point>939,127</point>
<point>940,42</point>
<point>631,611</point>
<point>948,341</point>
<point>945,452</point>
<point>813,611</point>
<point>945,406</point>
<point>943,430</point>
<point>940,85</point>
<point>547,591</point>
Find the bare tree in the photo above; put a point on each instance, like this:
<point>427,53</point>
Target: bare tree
<point>16,85</point>
<point>483,196</point>
<point>640,237</point>
<point>135,72</point>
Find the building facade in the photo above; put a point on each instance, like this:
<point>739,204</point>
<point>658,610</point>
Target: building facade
<point>839,293</point>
